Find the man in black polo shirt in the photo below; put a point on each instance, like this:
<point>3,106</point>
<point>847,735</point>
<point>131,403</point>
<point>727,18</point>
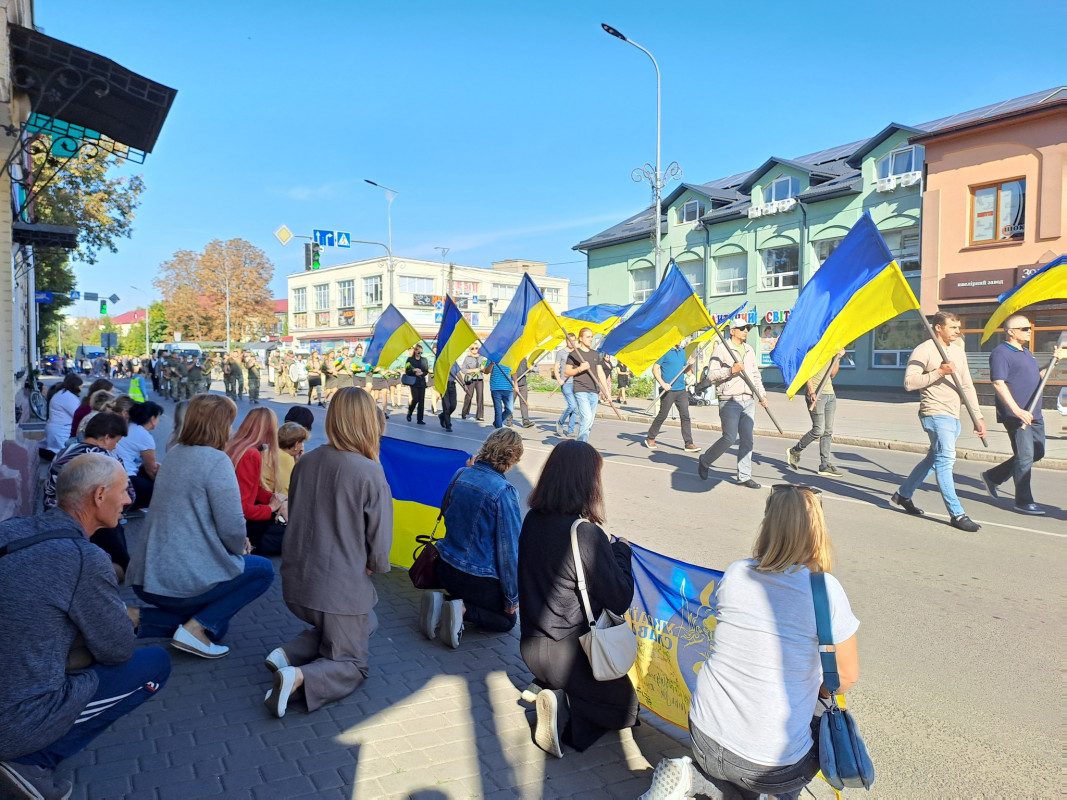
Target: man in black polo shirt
<point>1016,375</point>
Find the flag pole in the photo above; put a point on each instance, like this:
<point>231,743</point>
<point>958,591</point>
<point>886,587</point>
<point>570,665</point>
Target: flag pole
<point>746,378</point>
<point>698,351</point>
<point>955,378</point>
<point>607,391</point>
<point>1036,399</point>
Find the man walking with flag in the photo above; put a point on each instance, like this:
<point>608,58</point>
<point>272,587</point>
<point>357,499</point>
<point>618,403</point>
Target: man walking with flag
<point>822,404</point>
<point>569,418</point>
<point>583,365</point>
<point>939,414</point>
<point>669,373</point>
<point>737,405</point>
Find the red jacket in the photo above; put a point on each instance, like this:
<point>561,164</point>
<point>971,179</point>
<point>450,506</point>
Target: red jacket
<point>254,497</point>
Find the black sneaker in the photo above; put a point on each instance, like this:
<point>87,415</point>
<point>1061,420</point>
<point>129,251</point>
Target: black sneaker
<point>749,484</point>
<point>990,486</point>
<point>965,523</point>
<point>1032,509</point>
<point>906,504</point>
<point>702,471</point>
<point>23,780</point>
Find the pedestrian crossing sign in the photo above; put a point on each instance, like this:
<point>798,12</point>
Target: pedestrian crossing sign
<point>344,239</point>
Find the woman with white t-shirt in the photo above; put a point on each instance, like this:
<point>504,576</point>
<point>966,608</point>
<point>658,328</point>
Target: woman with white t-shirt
<point>138,451</point>
<point>61,408</point>
<point>750,718</point>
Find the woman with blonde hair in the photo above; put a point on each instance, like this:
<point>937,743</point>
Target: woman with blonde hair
<point>253,449</point>
<point>750,719</point>
<point>480,551</point>
<point>192,564</point>
<point>86,407</point>
<point>291,438</point>
<point>341,533</point>
<point>96,402</point>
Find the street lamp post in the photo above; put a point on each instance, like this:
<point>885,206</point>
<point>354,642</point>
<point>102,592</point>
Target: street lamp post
<point>147,346</point>
<point>655,176</point>
<point>390,195</point>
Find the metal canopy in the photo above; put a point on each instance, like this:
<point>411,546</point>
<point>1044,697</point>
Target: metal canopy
<point>39,235</point>
<point>121,104</point>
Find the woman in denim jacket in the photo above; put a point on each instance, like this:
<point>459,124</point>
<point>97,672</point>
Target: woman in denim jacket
<point>479,554</point>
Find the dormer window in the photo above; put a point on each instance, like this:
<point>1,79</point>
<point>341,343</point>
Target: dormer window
<point>781,189</point>
<point>900,162</point>
<point>691,211</point>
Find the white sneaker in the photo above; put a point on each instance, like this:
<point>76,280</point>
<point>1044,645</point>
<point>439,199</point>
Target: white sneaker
<point>185,641</point>
<point>451,628</point>
<point>672,780</point>
<point>550,721</point>
<point>276,659</point>
<point>430,613</point>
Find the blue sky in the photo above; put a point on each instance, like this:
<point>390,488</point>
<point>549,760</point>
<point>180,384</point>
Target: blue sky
<point>510,130</point>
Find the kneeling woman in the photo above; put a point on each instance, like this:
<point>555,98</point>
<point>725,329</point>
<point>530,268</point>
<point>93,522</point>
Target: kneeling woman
<point>254,453</point>
<point>341,533</point>
<point>478,556</point>
<point>552,615</point>
<point>193,565</point>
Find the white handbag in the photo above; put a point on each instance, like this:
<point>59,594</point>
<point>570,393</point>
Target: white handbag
<point>610,645</point>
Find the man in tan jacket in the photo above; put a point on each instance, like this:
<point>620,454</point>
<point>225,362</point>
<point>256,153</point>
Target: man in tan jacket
<point>939,414</point>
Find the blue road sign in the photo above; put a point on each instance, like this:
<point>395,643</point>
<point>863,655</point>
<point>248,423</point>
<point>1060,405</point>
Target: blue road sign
<point>43,297</point>
<point>438,318</point>
<point>75,295</point>
<point>344,239</point>
<point>323,238</point>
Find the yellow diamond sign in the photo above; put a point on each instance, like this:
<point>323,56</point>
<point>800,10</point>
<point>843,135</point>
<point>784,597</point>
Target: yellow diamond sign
<point>283,235</point>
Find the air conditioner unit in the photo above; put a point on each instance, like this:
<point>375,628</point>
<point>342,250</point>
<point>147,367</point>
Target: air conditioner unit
<point>910,178</point>
<point>769,208</point>
<point>887,184</point>
<point>755,211</point>
<point>787,205</point>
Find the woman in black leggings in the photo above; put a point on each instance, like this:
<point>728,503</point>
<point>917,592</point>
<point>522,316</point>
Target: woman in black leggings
<point>416,367</point>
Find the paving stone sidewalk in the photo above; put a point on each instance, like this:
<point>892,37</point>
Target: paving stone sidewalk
<point>429,722</point>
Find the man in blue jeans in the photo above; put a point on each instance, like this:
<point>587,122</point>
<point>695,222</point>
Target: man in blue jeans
<point>1015,374</point>
<point>569,418</point>
<point>502,391</point>
<point>939,414</point>
<point>67,652</point>
<point>583,365</point>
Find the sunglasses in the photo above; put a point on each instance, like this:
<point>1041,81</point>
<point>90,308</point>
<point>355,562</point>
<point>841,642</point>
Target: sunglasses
<point>802,487</point>
<point>1027,329</point>
<point>744,327</point>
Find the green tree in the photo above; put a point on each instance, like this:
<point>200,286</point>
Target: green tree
<point>132,344</point>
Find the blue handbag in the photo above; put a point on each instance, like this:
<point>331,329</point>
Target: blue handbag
<point>843,756</point>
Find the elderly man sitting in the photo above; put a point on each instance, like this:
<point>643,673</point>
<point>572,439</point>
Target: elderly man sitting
<point>60,597</point>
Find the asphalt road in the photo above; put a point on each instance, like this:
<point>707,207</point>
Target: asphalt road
<point>960,693</point>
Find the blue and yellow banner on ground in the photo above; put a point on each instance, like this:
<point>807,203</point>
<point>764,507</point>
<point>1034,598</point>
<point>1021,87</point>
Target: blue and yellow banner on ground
<point>859,287</point>
<point>672,615</point>
<point>528,323</point>
<point>1048,283</point>
<point>453,338</point>
<point>393,334</point>
<point>418,476</point>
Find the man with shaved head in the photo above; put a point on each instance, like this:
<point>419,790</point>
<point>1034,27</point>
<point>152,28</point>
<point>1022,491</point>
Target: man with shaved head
<point>1016,375</point>
<point>67,659</point>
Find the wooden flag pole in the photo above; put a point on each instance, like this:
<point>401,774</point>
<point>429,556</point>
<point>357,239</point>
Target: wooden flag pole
<point>607,391</point>
<point>747,379</point>
<point>699,351</point>
<point>955,378</point>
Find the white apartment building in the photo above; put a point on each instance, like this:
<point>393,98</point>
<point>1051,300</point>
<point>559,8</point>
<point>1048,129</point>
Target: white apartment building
<point>337,306</point>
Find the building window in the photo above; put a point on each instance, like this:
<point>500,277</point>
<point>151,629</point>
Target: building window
<point>322,319</point>
<point>694,273</point>
<point>551,294</point>
<point>502,291</point>
<point>823,248</point>
<point>900,162</point>
<point>370,315</point>
<point>643,279</point>
<point>731,274</point>
<point>300,320</point>
<point>894,341</point>
<point>691,211</point>
<point>322,297</point>
<point>781,189</point>
<point>415,285</point>
<point>781,267</point>
<point>904,245</point>
<point>464,288</point>
<point>346,294</point>
<point>300,300</point>
<point>998,212</point>
<point>372,290</point>
<point>346,318</point>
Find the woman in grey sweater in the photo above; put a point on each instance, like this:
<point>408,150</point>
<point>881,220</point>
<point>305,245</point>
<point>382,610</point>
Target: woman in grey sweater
<point>340,532</point>
<point>193,565</point>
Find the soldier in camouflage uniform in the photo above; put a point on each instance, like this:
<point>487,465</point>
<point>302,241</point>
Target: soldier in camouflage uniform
<point>172,376</point>
<point>196,377</point>
<point>238,372</point>
<point>228,379</point>
<point>207,365</point>
<point>282,381</point>
<point>252,366</point>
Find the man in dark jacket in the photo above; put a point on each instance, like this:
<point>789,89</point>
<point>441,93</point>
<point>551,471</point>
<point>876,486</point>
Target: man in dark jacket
<point>66,641</point>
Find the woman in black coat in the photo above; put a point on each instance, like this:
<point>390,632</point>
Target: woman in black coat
<point>552,614</point>
<point>416,367</point>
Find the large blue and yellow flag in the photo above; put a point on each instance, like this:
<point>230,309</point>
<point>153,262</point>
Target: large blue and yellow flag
<point>671,313</point>
<point>418,476</point>
<point>859,287</point>
<point>712,334</point>
<point>392,336</point>
<point>672,614</point>
<point>599,319</point>
<point>528,323</point>
<point>453,338</point>
<point>1048,283</point>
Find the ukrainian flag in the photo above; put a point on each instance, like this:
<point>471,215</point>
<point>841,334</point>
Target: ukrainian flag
<point>599,319</point>
<point>453,339</point>
<point>712,334</point>
<point>392,336</point>
<point>418,476</point>
<point>1048,283</point>
<point>859,287</point>
<point>668,316</point>
<point>528,323</point>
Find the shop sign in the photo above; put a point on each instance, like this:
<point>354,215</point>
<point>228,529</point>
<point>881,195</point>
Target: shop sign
<point>422,300</point>
<point>346,317</point>
<point>777,317</point>
<point>748,316</point>
<point>977,285</point>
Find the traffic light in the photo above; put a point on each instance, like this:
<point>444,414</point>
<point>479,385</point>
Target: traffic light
<point>103,307</point>
<point>316,251</point>
<point>307,256</point>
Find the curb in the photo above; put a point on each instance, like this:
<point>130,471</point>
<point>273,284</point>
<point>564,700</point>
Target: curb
<point>854,441</point>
